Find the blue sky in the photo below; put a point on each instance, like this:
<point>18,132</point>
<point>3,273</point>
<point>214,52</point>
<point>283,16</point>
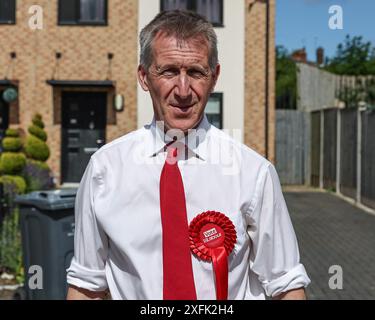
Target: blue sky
<point>304,23</point>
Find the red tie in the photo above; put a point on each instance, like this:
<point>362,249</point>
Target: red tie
<point>178,280</point>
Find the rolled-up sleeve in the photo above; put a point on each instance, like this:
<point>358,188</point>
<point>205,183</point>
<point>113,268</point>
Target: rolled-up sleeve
<point>274,254</point>
<point>87,269</point>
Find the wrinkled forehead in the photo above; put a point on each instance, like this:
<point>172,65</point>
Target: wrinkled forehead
<point>164,40</point>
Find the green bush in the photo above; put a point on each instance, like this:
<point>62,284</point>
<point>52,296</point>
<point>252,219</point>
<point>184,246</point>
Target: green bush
<point>12,162</point>
<point>12,144</point>
<point>10,245</point>
<point>15,183</point>
<point>36,172</point>
<point>38,132</point>
<point>36,149</point>
<point>37,164</point>
<point>37,121</point>
<point>12,133</point>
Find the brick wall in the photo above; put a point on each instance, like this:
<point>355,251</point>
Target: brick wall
<point>255,77</point>
<point>84,57</point>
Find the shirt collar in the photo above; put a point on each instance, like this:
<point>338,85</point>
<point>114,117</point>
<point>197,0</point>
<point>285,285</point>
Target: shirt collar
<point>195,140</point>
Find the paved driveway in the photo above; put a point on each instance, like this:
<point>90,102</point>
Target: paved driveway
<point>331,232</point>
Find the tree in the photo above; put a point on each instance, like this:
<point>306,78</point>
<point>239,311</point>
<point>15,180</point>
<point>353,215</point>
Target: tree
<point>37,173</point>
<point>286,80</point>
<point>12,162</point>
<point>353,57</point>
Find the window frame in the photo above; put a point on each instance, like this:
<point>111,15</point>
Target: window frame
<point>5,115</point>
<point>13,19</point>
<point>219,96</point>
<point>77,22</point>
<point>192,6</point>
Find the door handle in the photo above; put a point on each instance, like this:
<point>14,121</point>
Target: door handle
<point>90,150</point>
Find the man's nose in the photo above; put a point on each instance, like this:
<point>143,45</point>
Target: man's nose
<point>183,89</point>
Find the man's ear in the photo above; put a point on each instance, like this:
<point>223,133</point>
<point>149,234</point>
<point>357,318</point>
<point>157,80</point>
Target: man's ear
<point>142,78</point>
<point>215,76</point>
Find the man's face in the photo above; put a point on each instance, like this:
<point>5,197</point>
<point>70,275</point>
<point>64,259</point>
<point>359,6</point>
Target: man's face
<point>179,80</point>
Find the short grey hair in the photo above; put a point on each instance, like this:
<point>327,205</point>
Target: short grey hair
<point>182,25</point>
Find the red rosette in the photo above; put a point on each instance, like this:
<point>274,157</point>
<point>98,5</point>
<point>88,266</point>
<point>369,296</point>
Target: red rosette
<point>218,219</point>
<point>212,238</point>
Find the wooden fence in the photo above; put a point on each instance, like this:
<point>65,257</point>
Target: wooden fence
<point>332,149</point>
<point>292,146</point>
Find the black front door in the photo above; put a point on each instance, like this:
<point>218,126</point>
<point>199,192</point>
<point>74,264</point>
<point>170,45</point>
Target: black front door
<point>4,118</point>
<point>83,131</point>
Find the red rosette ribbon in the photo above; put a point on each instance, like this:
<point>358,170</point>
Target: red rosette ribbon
<point>212,237</point>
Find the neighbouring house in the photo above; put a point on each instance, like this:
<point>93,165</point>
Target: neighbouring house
<point>79,72</point>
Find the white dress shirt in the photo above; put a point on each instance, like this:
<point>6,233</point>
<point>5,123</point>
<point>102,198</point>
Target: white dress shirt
<point>118,235</point>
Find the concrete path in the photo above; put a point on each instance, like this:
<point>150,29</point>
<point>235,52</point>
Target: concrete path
<point>332,232</point>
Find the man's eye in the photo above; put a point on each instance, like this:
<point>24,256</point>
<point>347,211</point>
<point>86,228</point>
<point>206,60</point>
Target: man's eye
<point>196,73</point>
<point>169,73</point>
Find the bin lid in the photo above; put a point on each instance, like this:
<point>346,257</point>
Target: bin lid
<point>49,200</point>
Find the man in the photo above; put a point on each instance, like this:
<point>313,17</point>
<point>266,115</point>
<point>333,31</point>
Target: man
<point>144,196</point>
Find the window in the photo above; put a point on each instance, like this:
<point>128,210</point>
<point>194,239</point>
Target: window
<point>7,11</point>
<point>214,110</point>
<point>4,114</point>
<point>82,12</point>
<point>4,118</point>
<point>211,9</point>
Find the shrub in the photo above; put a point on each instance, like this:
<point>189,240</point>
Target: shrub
<point>38,176</point>
<point>37,121</point>
<point>12,162</point>
<point>36,172</point>
<point>10,233</point>
<point>10,245</point>
<point>12,133</point>
<point>38,132</point>
<point>13,184</point>
<point>12,144</point>
<point>36,149</point>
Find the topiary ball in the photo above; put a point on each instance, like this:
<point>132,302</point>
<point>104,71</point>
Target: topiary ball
<point>38,132</point>
<point>36,149</point>
<point>12,162</point>
<point>12,144</point>
<point>12,133</point>
<point>37,121</point>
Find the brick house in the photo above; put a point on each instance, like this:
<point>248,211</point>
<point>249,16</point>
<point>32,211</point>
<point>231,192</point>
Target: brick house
<point>79,72</point>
